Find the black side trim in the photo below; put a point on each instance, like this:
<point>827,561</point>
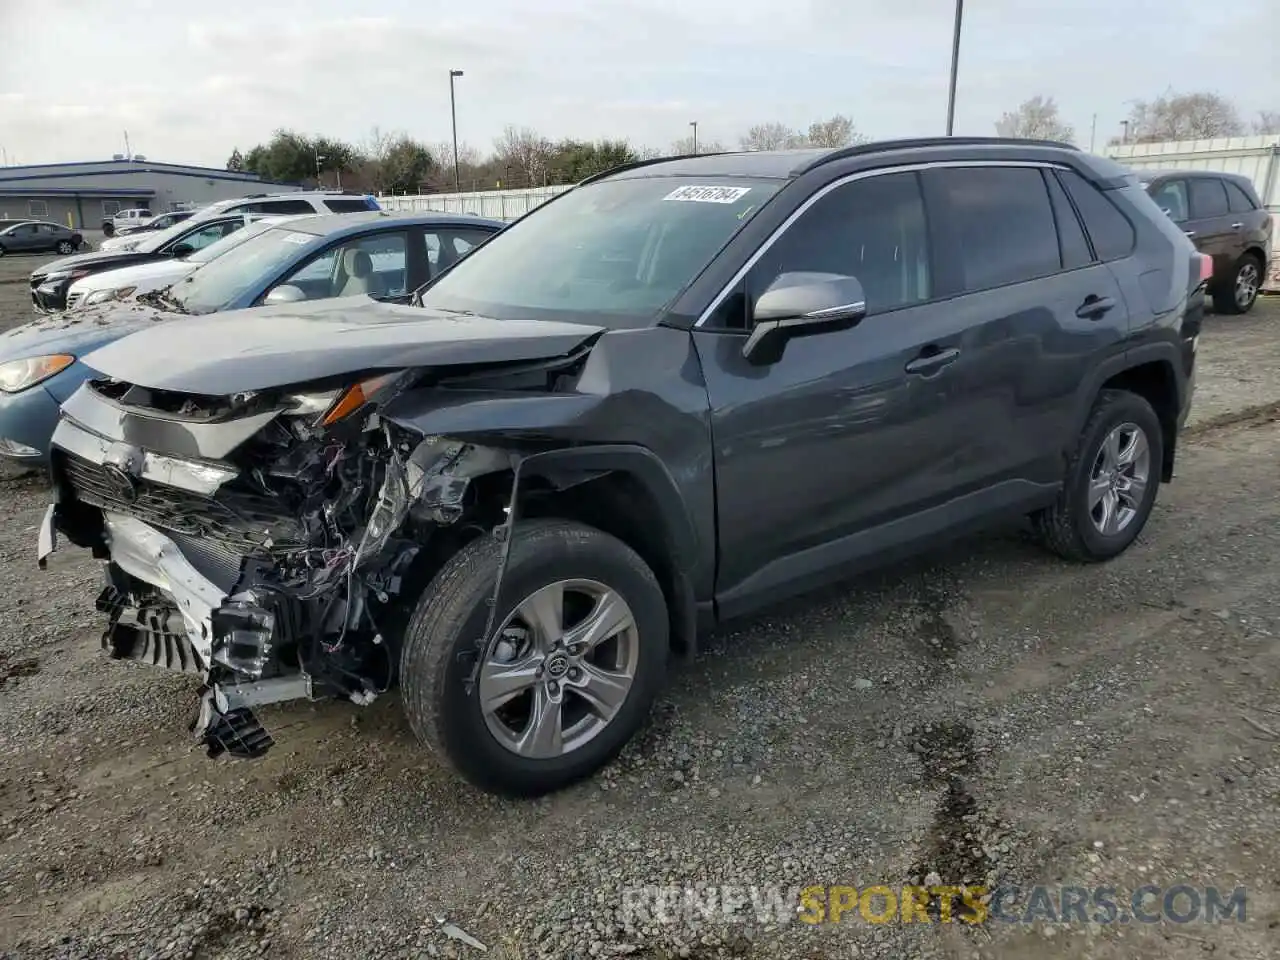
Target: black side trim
<point>839,559</point>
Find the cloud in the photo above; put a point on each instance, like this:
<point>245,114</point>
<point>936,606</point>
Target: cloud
<point>192,82</point>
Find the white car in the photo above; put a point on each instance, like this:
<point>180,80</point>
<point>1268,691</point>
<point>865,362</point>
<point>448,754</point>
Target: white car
<point>298,203</point>
<point>126,283</point>
<point>128,219</point>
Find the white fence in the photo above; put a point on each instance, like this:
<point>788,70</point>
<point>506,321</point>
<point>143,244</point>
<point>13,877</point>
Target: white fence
<point>1257,158</point>
<point>495,204</point>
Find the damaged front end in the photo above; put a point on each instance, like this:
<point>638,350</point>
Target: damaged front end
<point>261,541</point>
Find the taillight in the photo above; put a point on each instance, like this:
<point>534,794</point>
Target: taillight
<point>1206,268</point>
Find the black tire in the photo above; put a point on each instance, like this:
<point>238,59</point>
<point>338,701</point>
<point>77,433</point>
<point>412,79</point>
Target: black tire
<point>440,651</point>
<point>108,228</point>
<point>1,251</point>
<point>1224,295</point>
<point>65,247</point>
<point>1067,528</point>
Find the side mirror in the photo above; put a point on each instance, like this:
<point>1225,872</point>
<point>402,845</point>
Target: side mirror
<point>181,250</point>
<point>801,305</point>
<point>285,293</point>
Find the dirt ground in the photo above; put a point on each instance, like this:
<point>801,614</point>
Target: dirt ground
<point>986,714</point>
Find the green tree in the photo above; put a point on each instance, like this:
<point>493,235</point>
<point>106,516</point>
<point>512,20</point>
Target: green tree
<point>236,160</point>
<point>292,156</point>
<point>404,166</point>
<point>574,160</point>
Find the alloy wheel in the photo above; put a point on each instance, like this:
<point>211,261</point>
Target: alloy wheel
<point>1118,480</point>
<point>1247,279</point>
<point>559,669</point>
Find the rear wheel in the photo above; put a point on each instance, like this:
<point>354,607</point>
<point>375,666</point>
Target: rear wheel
<point>569,674</point>
<point>64,247</point>
<point>1240,291</point>
<point>1111,481</point>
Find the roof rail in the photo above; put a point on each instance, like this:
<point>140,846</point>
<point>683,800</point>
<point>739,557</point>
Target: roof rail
<point>635,164</point>
<point>883,146</point>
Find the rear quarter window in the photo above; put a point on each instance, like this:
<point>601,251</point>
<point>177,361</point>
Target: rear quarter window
<point>348,205</point>
<point>1110,231</point>
<point>1238,200</point>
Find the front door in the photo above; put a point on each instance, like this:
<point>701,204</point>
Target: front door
<point>850,432</point>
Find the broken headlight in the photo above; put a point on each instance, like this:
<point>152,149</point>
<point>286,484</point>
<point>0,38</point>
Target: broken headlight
<point>338,403</point>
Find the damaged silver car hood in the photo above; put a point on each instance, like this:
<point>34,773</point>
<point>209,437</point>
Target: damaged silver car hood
<point>255,349</point>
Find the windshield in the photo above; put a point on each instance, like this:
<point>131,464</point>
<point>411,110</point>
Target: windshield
<point>615,252</point>
<point>229,242</point>
<point>220,281</point>
<point>154,241</point>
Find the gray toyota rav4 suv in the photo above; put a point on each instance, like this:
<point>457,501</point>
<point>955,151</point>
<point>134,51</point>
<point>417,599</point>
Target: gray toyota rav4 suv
<point>679,392</point>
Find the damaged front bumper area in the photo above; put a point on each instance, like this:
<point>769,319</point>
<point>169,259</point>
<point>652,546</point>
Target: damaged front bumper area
<point>249,546</point>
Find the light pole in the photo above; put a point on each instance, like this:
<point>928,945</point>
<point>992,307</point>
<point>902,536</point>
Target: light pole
<point>453,112</point>
<point>955,65</point>
<point>318,159</point>
<point>694,124</point>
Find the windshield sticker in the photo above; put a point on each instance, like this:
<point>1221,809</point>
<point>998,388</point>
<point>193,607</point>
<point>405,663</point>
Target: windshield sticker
<point>708,194</point>
<point>298,238</point>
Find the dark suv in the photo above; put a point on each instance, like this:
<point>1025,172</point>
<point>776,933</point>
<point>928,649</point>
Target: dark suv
<point>679,392</point>
<point>1223,216</point>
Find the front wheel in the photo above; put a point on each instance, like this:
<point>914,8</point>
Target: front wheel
<point>1111,481</point>
<point>1240,291</point>
<point>576,658</point>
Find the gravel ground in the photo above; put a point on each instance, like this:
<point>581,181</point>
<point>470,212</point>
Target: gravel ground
<point>985,714</point>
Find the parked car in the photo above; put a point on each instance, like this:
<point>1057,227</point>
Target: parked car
<point>1224,217</point>
<point>306,258</point>
<point>271,205</point>
<point>160,222</point>
<point>127,220</point>
<point>681,391</point>
<point>38,236</point>
<point>129,283</point>
<point>51,282</point>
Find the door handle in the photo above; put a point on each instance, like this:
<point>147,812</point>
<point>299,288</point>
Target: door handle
<point>931,360</point>
<point>1094,307</point>
<point>1237,226</point>
<point>1189,233</point>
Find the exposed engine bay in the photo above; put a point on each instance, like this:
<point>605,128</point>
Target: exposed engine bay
<point>266,549</point>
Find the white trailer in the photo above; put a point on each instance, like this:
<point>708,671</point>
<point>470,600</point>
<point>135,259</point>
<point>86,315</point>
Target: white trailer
<point>1257,158</point>
<point>495,204</point>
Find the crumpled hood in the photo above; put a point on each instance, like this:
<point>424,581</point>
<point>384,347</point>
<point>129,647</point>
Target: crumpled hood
<point>264,347</point>
<point>78,332</point>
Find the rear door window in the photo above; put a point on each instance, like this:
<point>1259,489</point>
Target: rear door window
<point>347,204</point>
<point>1071,238</point>
<point>1208,198</point>
<point>1002,224</point>
<point>279,208</point>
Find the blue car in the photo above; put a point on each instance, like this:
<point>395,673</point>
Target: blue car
<point>381,255</point>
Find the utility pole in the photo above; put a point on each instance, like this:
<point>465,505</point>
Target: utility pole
<point>453,112</point>
<point>694,124</point>
<point>1124,125</point>
<point>955,66</point>
<point>1093,132</point>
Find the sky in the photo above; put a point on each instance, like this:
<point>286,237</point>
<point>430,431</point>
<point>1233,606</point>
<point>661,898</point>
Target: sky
<point>190,81</point>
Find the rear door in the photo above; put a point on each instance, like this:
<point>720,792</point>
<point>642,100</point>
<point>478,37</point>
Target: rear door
<point>1038,300</point>
<point>1210,225</point>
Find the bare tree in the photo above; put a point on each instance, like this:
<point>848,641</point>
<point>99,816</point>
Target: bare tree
<point>525,151</point>
<point>1035,119</point>
<point>1268,122</point>
<point>771,136</point>
<point>836,132</point>
<point>1184,116</point>
<point>685,145</point>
